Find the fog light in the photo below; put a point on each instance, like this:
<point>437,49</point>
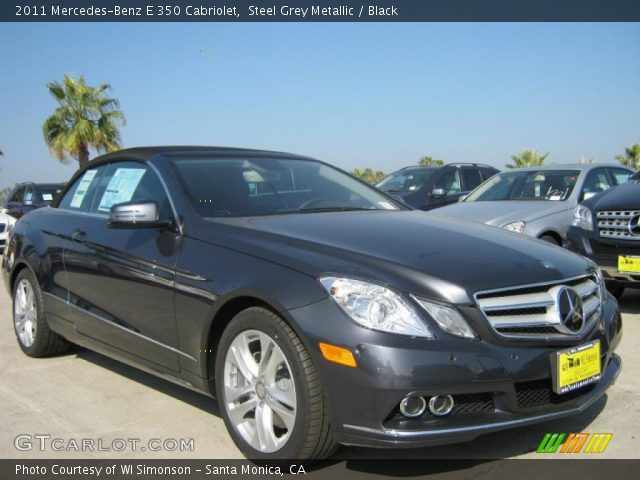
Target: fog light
<point>413,406</point>
<point>441,405</point>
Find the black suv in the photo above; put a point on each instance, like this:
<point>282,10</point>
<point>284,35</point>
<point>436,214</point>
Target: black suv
<point>426,188</point>
<point>606,229</point>
<point>28,196</point>
<point>315,308</point>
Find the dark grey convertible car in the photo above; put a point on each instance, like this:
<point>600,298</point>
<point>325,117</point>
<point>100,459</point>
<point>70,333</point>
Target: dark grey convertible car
<point>315,308</point>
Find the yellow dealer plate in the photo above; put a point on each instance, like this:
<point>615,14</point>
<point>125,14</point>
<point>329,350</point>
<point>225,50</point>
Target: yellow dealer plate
<point>576,367</point>
<point>628,264</point>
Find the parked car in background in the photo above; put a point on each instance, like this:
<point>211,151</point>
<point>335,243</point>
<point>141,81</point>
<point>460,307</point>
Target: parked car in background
<point>606,229</point>
<point>29,196</point>
<point>537,201</point>
<point>426,188</point>
<point>6,222</point>
<point>314,307</point>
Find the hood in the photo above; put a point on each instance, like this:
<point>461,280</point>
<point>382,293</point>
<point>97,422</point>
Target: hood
<point>412,251</point>
<point>622,197</point>
<point>500,213</point>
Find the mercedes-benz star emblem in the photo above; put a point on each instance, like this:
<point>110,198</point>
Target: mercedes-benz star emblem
<point>634,226</point>
<point>570,309</point>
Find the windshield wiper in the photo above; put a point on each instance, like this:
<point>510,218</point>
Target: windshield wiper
<point>333,209</point>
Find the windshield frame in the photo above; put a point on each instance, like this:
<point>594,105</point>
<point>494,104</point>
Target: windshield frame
<point>525,172</point>
<point>174,162</point>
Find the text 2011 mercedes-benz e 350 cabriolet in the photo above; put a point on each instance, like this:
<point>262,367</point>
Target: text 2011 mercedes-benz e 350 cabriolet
<point>316,309</point>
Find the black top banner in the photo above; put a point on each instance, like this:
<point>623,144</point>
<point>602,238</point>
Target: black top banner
<point>320,11</point>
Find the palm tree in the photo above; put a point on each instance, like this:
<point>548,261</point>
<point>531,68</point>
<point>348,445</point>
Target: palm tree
<point>584,160</point>
<point>631,157</point>
<point>428,161</point>
<point>86,118</point>
<point>368,175</point>
<point>527,158</point>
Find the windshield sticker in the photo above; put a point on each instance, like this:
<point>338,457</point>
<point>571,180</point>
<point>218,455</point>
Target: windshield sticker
<point>47,197</point>
<point>121,187</point>
<point>83,187</point>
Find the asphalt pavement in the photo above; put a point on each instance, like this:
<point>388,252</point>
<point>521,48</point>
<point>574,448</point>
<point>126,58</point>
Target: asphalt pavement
<point>85,396</point>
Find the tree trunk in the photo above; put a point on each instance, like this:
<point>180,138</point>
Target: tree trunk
<point>83,158</point>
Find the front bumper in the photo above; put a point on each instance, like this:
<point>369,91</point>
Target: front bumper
<point>604,253</point>
<point>497,384</point>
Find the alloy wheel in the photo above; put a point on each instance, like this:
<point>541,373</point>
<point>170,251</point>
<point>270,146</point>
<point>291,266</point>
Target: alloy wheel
<point>259,391</point>
<point>25,313</point>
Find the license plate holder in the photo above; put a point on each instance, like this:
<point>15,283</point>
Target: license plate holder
<point>576,367</point>
<point>629,264</point>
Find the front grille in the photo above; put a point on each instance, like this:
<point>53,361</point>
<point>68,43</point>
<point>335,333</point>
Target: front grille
<point>3,227</point>
<point>616,223</point>
<point>539,392</point>
<point>473,403</point>
<point>532,310</point>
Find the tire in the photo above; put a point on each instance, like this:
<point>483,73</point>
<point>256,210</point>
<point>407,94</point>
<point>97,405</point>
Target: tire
<point>550,239</point>
<point>295,381</point>
<point>29,319</point>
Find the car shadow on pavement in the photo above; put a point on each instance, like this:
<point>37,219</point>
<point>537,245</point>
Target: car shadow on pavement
<point>184,394</point>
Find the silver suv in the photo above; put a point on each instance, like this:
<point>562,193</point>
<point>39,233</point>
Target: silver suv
<point>536,201</point>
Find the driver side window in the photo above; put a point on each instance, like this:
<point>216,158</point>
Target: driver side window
<point>597,181</point>
<point>449,181</point>
<point>130,182</point>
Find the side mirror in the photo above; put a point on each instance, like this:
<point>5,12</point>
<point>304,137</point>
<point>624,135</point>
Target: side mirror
<point>437,192</point>
<point>28,203</point>
<point>588,195</point>
<point>136,215</point>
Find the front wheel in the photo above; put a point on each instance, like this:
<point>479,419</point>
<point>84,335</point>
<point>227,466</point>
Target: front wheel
<point>550,239</point>
<point>29,322</point>
<point>269,391</point>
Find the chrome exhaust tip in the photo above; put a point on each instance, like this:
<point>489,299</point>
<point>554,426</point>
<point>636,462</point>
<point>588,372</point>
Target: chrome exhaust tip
<point>441,405</point>
<point>413,406</point>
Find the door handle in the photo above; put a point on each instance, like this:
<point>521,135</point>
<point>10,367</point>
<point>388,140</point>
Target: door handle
<point>79,234</point>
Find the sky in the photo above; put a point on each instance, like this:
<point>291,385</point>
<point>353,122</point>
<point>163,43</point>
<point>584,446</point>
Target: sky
<point>355,94</point>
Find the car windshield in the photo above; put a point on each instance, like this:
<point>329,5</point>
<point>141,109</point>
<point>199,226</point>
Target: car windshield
<point>553,185</point>
<point>241,187</point>
<point>406,180</point>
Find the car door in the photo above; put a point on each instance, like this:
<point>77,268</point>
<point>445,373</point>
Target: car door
<point>447,187</point>
<point>120,280</point>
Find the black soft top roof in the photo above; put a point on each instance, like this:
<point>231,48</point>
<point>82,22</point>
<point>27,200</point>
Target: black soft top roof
<point>145,154</point>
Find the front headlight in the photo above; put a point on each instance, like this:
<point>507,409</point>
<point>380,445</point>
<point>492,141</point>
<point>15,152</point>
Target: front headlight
<point>447,318</point>
<point>376,307</point>
<point>582,218</point>
<point>517,227</point>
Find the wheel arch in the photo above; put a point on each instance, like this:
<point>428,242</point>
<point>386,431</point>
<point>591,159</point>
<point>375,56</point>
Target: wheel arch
<point>553,234</point>
<point>229,307</point>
